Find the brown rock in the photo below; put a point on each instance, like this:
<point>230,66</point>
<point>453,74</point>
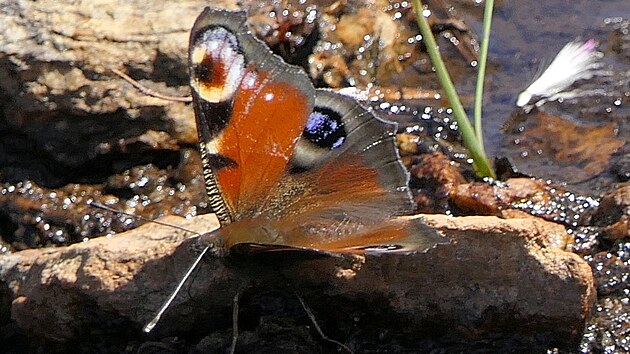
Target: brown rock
<point>436,175</point>
<point>613,214</point>
<point>57,57</point>
<point>61,99</point>
<point>497,277</point>
<point>487,199</point>
<point>352,28</point>
<point>110,274</point>
<point>534,196</point>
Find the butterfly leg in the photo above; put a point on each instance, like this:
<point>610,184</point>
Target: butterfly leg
<point>234,322</point>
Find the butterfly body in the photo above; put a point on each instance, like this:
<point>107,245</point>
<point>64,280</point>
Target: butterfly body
<point>288,166</point>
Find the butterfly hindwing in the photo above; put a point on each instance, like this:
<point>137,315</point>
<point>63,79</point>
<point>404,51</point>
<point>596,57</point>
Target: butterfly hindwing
<point>360,139</point>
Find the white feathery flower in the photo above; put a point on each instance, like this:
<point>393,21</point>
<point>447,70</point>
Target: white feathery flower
<point>576,61</point>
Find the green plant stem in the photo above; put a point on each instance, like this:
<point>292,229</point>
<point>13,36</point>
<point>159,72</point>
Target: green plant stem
<point>481,65</point>
<point>475,148</point>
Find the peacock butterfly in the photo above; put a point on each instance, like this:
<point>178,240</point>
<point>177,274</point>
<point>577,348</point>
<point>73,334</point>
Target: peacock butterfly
<point>288,166</point>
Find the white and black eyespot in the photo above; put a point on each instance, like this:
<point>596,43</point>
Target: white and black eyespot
<point>324,131</point>
<point>325,128</point>
<point>217,64</point>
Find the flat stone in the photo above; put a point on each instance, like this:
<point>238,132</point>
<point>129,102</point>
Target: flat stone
<point>496,277</point>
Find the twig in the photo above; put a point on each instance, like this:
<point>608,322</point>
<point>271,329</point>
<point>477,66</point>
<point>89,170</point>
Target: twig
<point>147,91</point>
<point>139,217</point>
<point>310,315</point>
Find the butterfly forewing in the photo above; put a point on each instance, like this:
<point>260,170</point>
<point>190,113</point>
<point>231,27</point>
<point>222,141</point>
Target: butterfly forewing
<point>249,112</point>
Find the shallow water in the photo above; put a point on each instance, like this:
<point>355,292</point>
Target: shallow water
<point>526,34</point>
<point>524,37</point>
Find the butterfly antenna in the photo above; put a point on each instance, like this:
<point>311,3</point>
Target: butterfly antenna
<point>105,207</point>
<point>149,326</point>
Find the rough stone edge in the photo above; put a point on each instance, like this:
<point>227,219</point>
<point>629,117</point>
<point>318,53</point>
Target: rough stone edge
<point>140,270</point>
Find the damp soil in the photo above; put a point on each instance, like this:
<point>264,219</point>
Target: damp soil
<point>575,151</point>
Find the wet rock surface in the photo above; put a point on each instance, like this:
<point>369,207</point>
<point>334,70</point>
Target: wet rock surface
<point>608,329</point>
<point>434,175</point>
<point>498,278</point>
<point>578,151</point>
<point>34,215</point>
<point>539,198</point>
